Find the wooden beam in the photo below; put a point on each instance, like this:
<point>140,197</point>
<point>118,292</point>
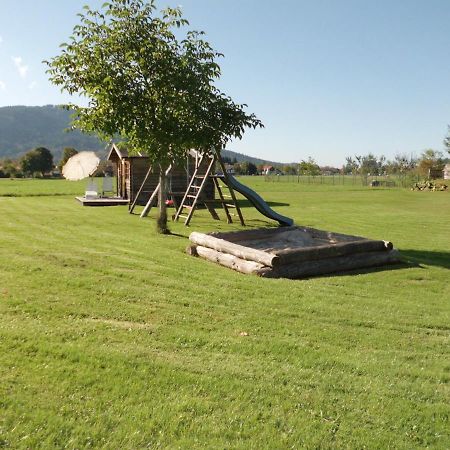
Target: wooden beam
<point>232,193</point>
<point>131,208</point>
<point>151,201</point>
<point>152,198</point>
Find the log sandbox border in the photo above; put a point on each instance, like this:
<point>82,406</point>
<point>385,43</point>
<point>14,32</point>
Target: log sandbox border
<point>343,253</point>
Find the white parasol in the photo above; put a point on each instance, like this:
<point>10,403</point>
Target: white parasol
<point>81,165</point>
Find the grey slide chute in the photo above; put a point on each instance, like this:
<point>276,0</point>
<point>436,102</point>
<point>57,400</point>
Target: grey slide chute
<point>257,201</point>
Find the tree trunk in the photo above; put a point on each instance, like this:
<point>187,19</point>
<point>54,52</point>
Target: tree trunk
<point>162,227</point>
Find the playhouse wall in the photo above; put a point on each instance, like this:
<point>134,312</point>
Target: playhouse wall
<point>178,181</point>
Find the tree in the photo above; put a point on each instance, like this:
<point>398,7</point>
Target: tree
<point>309,167</point>
<point>401,164</point>
<point>289,169</point>
<point>10,169</point>
<point>447,140</point>
<point>430,159</point>
<point>369,164</point>
<point>68,152</point>
<point>37,160</point>
<point>154,90</point>
<point>247,168</point>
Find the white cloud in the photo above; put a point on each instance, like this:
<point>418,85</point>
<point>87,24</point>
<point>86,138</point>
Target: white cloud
<point>2,85</point>
<point>32,85</point>
<point>20,66</point>
<point>1,39</point>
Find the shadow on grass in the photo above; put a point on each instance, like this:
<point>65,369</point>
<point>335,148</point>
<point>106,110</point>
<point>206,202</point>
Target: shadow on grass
<point>37,194</point>
<point>410,259</point>
<point>438,259</point>
<point>248,204</point>
<point>362,271</point>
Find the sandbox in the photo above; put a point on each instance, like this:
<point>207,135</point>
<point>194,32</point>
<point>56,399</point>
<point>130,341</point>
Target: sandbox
<point>291,252</point>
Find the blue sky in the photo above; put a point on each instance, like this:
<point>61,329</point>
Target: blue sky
<point>329,78</point>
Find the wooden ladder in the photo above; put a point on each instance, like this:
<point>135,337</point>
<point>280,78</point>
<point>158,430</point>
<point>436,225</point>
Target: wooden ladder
<point>224,199</point>
<point>194,190</point>
<point>228,201</point>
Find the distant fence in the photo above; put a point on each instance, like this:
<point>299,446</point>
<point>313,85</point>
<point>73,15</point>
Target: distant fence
<point>389,181</point>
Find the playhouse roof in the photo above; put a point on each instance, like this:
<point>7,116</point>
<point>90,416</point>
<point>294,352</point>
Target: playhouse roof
<point>121,153</point>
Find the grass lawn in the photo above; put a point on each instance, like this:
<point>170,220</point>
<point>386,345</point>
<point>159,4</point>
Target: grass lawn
<point>112,337</point>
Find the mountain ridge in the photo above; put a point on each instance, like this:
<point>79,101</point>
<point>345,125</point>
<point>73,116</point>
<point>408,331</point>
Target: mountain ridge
<point>23,128</point>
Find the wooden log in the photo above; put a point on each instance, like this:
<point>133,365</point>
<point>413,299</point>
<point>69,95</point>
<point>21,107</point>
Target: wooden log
<point>292,255</point>
<point>268,233</point>
<point>220,245</point>
<point>259,233</point>
<point>227,260</point>
<point>192,250</point>
<point>331,235</point>
<point>331,265</point>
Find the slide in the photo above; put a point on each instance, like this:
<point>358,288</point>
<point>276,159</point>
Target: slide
<point>257,201</point>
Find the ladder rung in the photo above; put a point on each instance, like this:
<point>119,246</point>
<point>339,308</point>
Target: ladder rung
<point>200,176</point>
<point>191,196</point>
<point>187,206</point>
<point>183,216</point>
<point>230,205</point>
<point>195,186</point>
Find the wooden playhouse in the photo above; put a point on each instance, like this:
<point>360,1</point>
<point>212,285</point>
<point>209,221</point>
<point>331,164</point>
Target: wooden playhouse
<point>135,181</point>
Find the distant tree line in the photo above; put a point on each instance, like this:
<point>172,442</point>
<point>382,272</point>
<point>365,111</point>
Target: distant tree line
<point>38,162</point>
<point>371,165</point>
<point>430,161</point>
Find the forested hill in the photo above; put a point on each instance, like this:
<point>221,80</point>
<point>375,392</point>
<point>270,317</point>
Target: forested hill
<point>23,128</point>
<point>239,157</point>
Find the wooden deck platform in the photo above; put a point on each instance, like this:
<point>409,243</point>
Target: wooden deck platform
<point>105,201</point>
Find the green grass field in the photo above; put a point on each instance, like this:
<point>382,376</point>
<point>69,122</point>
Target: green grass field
<point>112,337</point>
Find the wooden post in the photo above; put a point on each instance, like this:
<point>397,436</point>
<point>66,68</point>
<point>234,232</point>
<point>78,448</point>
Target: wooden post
<point>152,198</point>
<point>233,195</point>
<point>131,208</point>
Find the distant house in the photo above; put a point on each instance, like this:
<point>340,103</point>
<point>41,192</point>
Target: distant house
<point>266,170</point>
<point>447,172</point>
<point>435,174</point>
<point>229,168</point>
<point>271,170</point>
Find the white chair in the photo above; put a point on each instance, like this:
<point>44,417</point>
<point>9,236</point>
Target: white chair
<point>91,189</point>
<point>107,185</point>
